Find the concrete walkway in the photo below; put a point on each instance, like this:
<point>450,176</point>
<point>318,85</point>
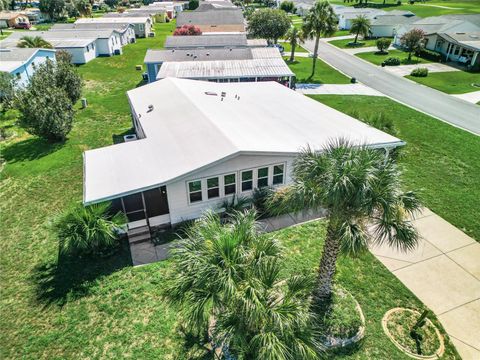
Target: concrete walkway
<point>359,50</point>
<point>403,70</point>
<point>444,273</point>
<point>336,89</point>
<point>473,97</point>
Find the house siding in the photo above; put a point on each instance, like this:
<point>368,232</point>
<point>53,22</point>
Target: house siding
<point>26,70</point>
<point>182,210</point>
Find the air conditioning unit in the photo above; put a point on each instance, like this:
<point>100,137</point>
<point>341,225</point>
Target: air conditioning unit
<point>117,52</point>
<point>145,76</point>
<point>131,137</point>
<point>151,34</point>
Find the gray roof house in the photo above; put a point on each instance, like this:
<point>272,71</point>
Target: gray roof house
<point>212,41</point>
<point>214,20</point>
<point>387,25</point>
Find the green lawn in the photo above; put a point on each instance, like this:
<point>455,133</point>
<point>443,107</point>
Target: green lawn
<point>324,74</point>
<point>288,48</point>
<point>343,43</point>
<point>441,161</point>
<point>377,59</point>
<point>428,8</point>
<point>5,34</point>
<point>342,33</point>
<point>451,82</point>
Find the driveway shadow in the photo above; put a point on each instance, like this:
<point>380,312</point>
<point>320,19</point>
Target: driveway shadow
<point>71,277</point>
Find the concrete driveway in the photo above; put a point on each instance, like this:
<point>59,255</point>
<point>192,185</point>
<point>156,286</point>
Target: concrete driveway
<point>447,108</point>
<point>403,70</point>
<point>444,273</point>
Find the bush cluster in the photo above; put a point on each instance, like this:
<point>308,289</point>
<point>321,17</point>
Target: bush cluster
<point>392,61</point>
<point>429,55</point>
<point>419,72</point>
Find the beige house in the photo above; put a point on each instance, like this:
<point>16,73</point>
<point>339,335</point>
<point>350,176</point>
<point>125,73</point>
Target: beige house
<point>11,18</point>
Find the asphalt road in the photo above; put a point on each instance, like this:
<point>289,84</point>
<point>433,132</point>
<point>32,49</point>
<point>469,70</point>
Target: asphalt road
<point>433,102</point>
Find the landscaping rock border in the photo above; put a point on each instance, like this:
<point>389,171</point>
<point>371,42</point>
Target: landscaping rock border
<point>438,354</point>
<point>333,343</point>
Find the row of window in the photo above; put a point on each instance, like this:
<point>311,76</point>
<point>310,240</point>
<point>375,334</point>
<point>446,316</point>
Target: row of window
<point>224,185</point>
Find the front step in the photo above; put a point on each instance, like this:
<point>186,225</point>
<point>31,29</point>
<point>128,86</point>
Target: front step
<point>139,234</point>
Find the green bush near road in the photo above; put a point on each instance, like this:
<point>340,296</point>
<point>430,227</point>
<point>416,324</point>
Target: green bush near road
<point>377,58</point>
<point>419,72</point>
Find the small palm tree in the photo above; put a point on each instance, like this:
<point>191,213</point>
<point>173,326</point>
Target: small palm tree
<point>34,42</point>
<point>295,37</point>
<point>361,190</point>
<point>89,230</point>
<point>360,26</point>
<point>319,21</point>
<point>227,283</point>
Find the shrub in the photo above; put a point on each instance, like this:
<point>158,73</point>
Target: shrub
<point>287,6</point>
<point>383,44</point>
<point>419,72</point>
<point>392,61</point>
<point>429,54</point>
<point>236,203</point>
<point>260,201</point>
<point>193,4</point>
<point>187,30</point>
<point>90,230</point>
<point>381,122</point>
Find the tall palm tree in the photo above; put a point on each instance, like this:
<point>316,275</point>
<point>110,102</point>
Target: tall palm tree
<point>360,26</point>
<point>319,21</point>
<point>226,281</point>
<point>295,37</point>
<point>361,190</point>
<point>34,42</point>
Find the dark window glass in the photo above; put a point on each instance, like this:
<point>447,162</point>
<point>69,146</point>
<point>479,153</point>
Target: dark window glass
<point>135,216</point>
<point>277,179</point>
<point>262,182</point>
<point>263,172</point>
<point>229,179</point>
<point>212,182</point>
<point>213,193</point>
<point>195,186</point>
<point>116,206</point>
<point>230,189</point>
<point>133,202</point>
<point>230,184</point>
<point>213,190</point>
<point>262,177</point>
<point>247,185</point>
<point>247,175</point>
<point>277,169</point>
<point>196,196</point>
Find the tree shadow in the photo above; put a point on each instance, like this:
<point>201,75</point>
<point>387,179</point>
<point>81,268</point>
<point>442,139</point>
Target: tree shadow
<point>71,277</point>
<point>30,149</point>
<point>118,138</point>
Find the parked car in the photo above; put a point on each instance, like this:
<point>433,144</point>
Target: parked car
<point>23,26</point>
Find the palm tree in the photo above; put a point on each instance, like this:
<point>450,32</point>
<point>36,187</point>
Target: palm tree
<point>34,42</point>
<point>226,281</point>
<point>361,190</point>
<point>295,37</point>
<point>320,21</point>
<point>360,26</point>
<point>89,230</point>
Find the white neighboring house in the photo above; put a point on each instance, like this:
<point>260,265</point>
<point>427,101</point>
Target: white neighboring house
<point>22,63</point>
<point>201,143</point>
<point>388,25</point>
<point>126,32</point>
<point>345,17</point>
<point>142,25</point>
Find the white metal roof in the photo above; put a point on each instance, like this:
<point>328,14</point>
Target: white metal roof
<point>190,128</point>
<point>12,58</point>
<point>118,20</point>
<point>274,67</point>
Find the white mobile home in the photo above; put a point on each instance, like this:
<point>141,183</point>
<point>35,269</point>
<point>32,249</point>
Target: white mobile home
<point>201,143</point>
<point>142,25</point>
<point>126,32</point>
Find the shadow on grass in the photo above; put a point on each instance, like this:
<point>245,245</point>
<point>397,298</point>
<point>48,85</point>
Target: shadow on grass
<point>118,138</point>
<point>30,149</point>
<point>71,277</point>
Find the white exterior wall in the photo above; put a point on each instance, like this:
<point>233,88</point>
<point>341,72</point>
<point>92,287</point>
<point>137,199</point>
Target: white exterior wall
<point>178,195</point>
<point>26,71</point>
<point>382,30</point>
<point>81,55</point>
<point>104,46</point>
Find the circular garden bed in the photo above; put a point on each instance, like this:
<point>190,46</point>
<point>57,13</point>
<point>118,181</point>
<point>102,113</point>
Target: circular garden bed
<point>425,342</point>
<point>342,323</point>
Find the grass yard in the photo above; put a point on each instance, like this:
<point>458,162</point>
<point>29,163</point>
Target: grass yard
<point>427,8</point>
<point>288,48</point>
<point>5,34</point>
<point>377,58</point>
<point>451,82</point>
<point>441,161</point>
<point>324,74</point>
<point>343,43</point>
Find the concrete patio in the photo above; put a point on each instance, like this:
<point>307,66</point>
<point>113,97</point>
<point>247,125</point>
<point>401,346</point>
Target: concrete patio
<point>444,273</point>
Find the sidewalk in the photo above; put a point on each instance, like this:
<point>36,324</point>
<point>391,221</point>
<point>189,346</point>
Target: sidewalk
<point>473,97</point>
<point>336,89</point>
<point>444,273</point>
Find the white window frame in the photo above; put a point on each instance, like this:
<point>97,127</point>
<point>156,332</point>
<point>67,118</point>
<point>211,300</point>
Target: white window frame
<point>197,191</point>
<point>257,170</point>
<point>215,187</point>
<point>252,180</point>
<point>283,174</point>
<point>235,174</point>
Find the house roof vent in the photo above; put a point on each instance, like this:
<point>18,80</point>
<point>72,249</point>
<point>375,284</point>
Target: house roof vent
<point>150,108</point>
<point>211,93</point>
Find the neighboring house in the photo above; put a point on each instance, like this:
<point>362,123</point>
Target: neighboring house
<point>461,47</point>
<point>155,58</point>
<point>441,24</point>
<point>252,70</point>
<point>156,16</point>
<point>388,25</point>
<point>214,20</point>
<point>202,143</point>
<point>12,18</point>
<point>83,45</point>
<point>21,63</point>
<point>212,41</point>
<point>126,32</point>
<point>35,15</point>
<point>142,25</point>
<point>345,17</point>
